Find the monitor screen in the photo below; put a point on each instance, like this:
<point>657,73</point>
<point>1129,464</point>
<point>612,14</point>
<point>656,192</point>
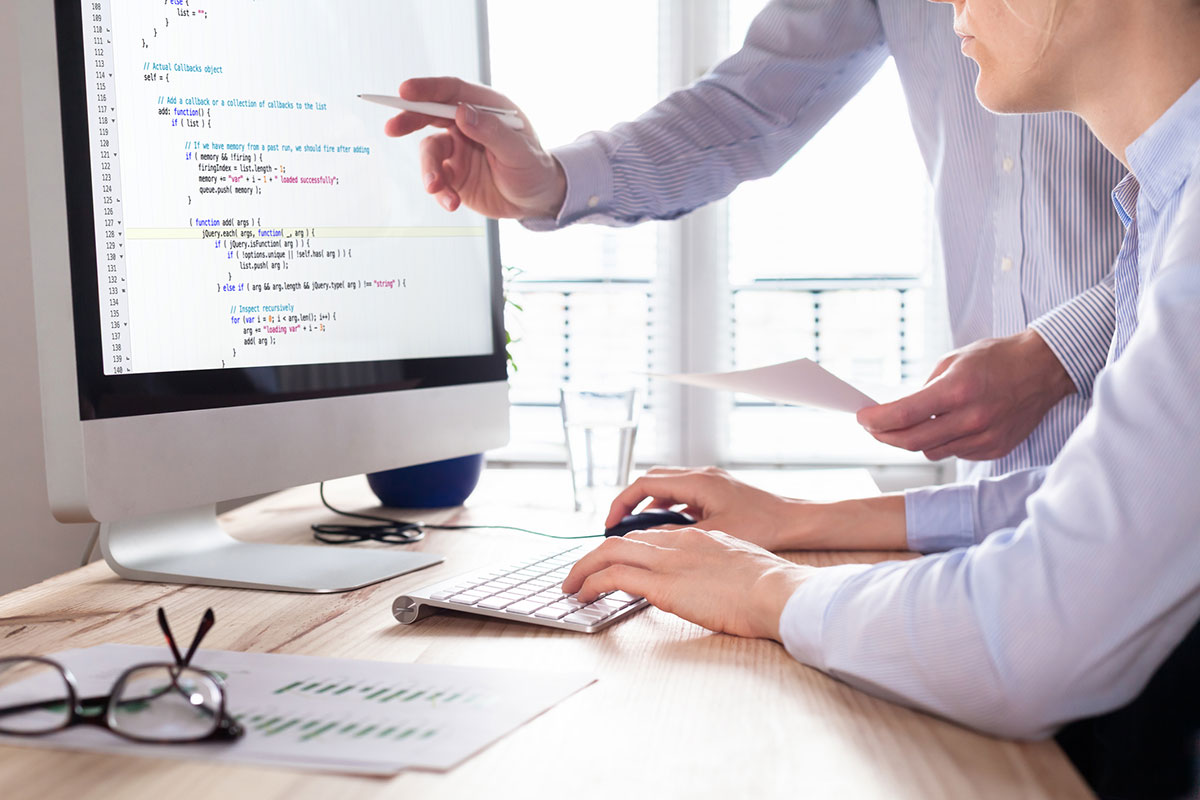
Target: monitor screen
<point>240,284</point>
<point>241,230</point>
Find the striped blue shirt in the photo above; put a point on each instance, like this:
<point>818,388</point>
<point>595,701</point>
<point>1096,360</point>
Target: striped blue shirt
<point>1027,235</point>
<point>1067,612</point>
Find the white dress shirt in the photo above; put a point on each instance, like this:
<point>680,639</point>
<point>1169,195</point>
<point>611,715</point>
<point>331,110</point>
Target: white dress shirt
<point>1067,612</point>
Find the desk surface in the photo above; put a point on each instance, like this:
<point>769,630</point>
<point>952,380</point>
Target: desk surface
<point>677,711</point>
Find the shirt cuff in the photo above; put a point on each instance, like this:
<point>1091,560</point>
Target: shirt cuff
<point>589,185</point>
<point>803,620</point>
<point>939,518</point>
<point>1079,333</point>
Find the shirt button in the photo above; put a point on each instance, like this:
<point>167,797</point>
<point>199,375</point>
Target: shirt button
<point>1006,264</point>
<point>1007,163</point>
<point>593,201</point>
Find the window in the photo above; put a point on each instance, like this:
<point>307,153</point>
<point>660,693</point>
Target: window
<point>816,261</point>
<point>584,292</point>
<point>831,259</point>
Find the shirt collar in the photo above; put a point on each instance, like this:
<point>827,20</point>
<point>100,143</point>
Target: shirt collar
<point>1124,197</point>
<point>1162,156</point>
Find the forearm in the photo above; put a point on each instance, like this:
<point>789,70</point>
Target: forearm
<point>801,62</point>
<point>1048,378</point>
<point>871,523</point>
<point>1016,651</point>
<point>1069,614</point>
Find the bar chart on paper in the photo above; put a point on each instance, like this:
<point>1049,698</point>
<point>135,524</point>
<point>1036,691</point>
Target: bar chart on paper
<point>338,715</point>
<point>377,713</point>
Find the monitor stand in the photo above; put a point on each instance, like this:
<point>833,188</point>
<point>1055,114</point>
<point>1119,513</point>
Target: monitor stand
<point>191,547</point>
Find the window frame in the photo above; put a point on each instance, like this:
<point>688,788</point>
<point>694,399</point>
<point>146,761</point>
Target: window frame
<point>691,296</point>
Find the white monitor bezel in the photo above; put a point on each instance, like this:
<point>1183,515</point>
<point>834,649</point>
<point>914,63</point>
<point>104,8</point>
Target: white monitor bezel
<point>121,467</point>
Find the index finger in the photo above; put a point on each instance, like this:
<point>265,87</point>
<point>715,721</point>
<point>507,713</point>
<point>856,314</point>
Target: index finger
<point>907,411</point>
<point>406,122</point>
<point>667,490</point>
<point>629,552</point>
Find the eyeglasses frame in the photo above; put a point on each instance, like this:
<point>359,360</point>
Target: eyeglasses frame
<point>224,728</point>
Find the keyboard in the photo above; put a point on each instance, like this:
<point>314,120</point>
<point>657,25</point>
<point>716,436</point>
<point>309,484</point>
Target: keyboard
<point>528,591</point>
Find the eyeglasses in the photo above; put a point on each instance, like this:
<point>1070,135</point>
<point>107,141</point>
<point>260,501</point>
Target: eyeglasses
<point>157,702</point>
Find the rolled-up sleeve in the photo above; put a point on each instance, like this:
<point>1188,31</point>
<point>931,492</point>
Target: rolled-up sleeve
<point>1079,333</point>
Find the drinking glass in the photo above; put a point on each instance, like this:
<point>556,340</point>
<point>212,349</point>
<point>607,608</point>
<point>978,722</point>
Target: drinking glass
<point>600,426</point>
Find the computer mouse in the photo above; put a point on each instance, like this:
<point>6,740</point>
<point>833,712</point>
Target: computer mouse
<point>649,518</point>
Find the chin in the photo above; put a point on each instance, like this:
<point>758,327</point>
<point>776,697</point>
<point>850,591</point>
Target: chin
<point>1026,92</point>
<point>1007,99</point>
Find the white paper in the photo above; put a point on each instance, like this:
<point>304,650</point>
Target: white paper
<point>801,382</point>
<point>329,714</point>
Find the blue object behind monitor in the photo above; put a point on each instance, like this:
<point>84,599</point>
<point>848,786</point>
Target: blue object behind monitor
<point>437,484</point>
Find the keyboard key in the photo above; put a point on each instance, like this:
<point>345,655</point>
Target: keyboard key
<point>608,606</point>
<point>555,611</point>
<point>531,591</point>
<point>585,616</point>
<point>523,607</point>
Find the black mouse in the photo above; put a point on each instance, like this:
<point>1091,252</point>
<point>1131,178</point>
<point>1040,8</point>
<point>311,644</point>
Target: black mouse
<point>649,518</point>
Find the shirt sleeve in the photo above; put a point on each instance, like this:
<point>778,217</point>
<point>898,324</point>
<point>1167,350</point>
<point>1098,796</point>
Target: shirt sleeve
<point>802,60</point>
<point>939,518</point>
<point>1079,333</point>
<point>1068,614</point>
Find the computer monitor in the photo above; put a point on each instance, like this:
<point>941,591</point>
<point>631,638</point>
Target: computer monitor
<point>240,284</point>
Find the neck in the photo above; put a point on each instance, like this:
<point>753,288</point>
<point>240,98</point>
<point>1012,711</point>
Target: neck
<point>1132,81</point>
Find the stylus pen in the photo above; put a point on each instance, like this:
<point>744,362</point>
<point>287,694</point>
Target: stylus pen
<point>444,110</point>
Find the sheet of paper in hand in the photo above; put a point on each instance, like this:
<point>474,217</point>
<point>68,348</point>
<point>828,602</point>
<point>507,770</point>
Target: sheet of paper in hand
<point>801,382</point>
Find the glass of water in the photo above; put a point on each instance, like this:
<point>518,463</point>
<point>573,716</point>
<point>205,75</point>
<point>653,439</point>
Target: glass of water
<point>600,426</point>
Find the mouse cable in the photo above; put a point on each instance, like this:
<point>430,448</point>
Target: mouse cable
<point>394,531</point>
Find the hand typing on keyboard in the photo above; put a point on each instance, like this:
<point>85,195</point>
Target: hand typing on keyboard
<point>527,591</point>
<point>707,577</point>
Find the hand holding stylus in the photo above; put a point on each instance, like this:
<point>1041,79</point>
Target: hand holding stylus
<point>480,158</point>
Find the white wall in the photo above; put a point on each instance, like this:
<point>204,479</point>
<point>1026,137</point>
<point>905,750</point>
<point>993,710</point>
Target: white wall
<point>33,546</point>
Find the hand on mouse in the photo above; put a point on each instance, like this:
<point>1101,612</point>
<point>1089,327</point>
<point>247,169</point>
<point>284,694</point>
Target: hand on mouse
<point>497,171</point>
<point>718,501</point>
<point>707,577</point>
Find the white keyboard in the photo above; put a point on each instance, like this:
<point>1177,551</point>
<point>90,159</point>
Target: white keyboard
<point>527,591</point>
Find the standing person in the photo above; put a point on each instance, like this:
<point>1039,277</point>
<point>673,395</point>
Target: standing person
<point>1091,596</point>
<point>1027,272</point>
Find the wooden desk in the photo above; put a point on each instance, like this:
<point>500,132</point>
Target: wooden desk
<point>677,711</point>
